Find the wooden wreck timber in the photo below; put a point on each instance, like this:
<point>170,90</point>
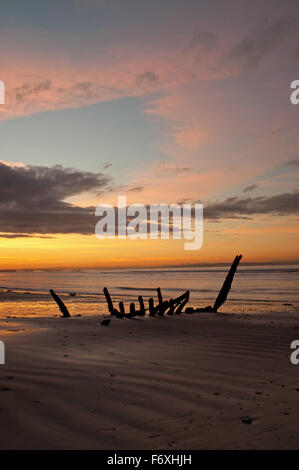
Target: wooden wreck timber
<point>168,307</point>
<point>151,307</point>
<point>173,306</point>
<point>61,305</point>
<point>162,306</point>
<point>223,293</point>
<point>121,308</point>
<point>109,301</point>
<point>141,303</point>
<point>176,305</point>
<point>181,301</point>
<point>222,296</point>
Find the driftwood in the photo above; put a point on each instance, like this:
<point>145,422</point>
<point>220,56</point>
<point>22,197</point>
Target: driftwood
<point>61,305</point>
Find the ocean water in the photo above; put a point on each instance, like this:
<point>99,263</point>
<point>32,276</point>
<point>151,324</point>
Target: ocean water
<point>255,289</point>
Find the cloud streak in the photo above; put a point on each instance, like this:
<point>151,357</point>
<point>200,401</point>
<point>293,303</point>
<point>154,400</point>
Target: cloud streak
<point>251,50</point>
<point>293,162</point>
<point>281,204</point>
<point>28,90</point>
<point>250,188</point>
<point>33,199</point>
<point>34,202</point>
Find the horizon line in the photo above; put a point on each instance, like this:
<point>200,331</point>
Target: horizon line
<point>194,265</point>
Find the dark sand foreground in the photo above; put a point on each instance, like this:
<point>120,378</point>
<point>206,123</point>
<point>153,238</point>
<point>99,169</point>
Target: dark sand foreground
<point>161,383</point>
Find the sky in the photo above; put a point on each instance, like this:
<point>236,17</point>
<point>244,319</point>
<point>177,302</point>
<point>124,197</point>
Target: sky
<point>163,102</point>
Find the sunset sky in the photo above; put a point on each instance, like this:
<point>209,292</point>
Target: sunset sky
<point>163,101</point>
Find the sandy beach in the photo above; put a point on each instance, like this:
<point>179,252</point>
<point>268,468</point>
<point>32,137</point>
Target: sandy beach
<point>200,381</point>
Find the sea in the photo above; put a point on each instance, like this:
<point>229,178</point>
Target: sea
<point>268,288</point>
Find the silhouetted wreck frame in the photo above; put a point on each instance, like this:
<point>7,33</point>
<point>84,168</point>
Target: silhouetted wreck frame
<point>174,306</point>
<point>170,307</point>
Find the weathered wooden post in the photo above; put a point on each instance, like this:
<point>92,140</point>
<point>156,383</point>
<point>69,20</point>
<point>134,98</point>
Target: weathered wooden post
<point>132,309</point>
<point>160,299</point>
<point>171,307</point>
<point>182,304</point>
<point>60,304</point>
<point>151,307</point>
<point>222,296</point>
<point>141,303</point>
<point>121,308</point>
<point>109,301</point>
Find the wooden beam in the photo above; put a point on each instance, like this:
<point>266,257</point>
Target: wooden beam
<point>61,305</point>
<point>141,303</point>
<point>151,307</point>
<point>182,303</point>
<point>222,296</point>
<point>109,301</point>
<point>121,308</point>
<point>171,307</point>
<point>132,308</point>
<point>161,309</point>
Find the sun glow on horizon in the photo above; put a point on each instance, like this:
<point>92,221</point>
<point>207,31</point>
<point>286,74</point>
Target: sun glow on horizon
<point>83,251</point>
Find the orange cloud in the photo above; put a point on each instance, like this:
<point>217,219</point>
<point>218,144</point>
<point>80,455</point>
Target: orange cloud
<point>42,73</point>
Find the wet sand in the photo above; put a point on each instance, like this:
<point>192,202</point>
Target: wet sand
<point>199,381</point>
